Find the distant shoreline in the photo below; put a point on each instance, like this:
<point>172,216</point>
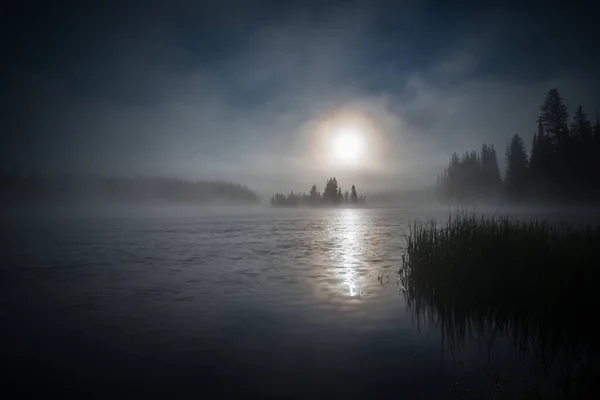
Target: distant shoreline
<point>19,189</point>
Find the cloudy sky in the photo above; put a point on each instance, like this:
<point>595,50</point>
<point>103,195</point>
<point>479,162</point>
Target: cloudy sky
<point>242,90</point>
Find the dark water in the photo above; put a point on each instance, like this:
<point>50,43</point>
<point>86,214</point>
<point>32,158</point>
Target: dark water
<point>172,302</point>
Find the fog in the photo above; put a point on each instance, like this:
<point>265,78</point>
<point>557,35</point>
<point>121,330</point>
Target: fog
<point>221,93</point>
<point>277,198</point>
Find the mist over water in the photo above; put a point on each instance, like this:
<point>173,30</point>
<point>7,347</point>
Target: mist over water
<point>173,297</point>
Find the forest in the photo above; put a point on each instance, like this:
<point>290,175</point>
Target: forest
<point>18,188</point>
<point>563,165</point>
<point>332,195</point>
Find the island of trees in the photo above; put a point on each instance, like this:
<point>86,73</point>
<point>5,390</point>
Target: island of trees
<point>562,167</point>
<point>19,188</point>
<point>332,195</point>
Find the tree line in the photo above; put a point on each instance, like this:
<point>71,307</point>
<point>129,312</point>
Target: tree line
<point>563,164</point>
<point>332,195</point>
<point>16,187</point>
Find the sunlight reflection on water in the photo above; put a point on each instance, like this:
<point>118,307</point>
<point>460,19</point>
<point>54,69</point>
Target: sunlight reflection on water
<point>348,252</point>
<point>351,250</point>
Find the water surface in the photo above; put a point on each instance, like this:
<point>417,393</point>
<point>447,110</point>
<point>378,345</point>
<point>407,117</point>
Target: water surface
<point>270,302</point>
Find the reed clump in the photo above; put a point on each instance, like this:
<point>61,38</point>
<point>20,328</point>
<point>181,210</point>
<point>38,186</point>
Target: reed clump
<point>529,279</point>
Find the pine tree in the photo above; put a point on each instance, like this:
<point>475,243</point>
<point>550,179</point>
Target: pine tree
<point>581,156</point>
<point>330,195</point>
<point>353,195</point>
<point>539,161</point>
<point>453,185</point>
<point>314,194</point>
<point>581,127</point>
<point>490,180</point>
<point>596,156</point>
<point>558,150</point>
<point>517,172</point>
<point>555,116</point>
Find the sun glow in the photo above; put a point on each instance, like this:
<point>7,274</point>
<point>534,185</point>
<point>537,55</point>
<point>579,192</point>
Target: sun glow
<point>347,144</point>
<point>347,140</point>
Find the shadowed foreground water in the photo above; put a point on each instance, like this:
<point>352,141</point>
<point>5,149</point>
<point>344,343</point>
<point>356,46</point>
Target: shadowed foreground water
<point>211,302</point>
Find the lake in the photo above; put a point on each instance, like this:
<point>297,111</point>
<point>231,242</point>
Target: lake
<point>213,302</point>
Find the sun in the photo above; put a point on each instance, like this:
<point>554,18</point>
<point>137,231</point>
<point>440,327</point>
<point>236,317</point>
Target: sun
<point>347,144</point>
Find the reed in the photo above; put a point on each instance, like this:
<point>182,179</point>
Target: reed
<point>529,279</point>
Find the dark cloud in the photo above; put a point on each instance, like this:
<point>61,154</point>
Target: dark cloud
<point>233,90</point>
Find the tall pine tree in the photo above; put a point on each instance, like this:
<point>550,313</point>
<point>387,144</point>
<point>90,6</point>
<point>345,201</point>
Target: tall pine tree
<point>558,157</point>
<point>581,156</point>
<point>555,116</point>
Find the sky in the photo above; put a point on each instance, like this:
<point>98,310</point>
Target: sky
<point>243,90</point>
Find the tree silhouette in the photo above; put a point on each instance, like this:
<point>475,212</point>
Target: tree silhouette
<point>555,116</point>
<point>555,119</point>
<point>353,195</point>
<point>490,180</point>
<point>332,195</point>
<point>540,162</point>
<point>517,170</point>
<point>564,164</point>
<point>596,155</point>
<point>581,127</point>
<point>315,196</point>
<point>471,176</point>
<point>581,156</point>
